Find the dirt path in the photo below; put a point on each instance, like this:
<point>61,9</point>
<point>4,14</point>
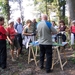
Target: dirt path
<point>21,67</point>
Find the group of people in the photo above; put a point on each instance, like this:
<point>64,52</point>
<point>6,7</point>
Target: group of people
<point>45,30</point>
<point>29,32</point>
<point>9,33</point>
<point>13,33</point>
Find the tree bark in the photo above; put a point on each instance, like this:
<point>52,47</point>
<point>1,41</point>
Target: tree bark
<point>71,8</point>
<point>7,9</point>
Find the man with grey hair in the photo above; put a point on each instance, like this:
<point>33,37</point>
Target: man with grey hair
<point>45,30</point>
<point>19,27</point>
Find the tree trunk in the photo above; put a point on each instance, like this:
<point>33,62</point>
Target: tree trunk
<point>46,8</point>
<point>71,8</point>
<point>63,12</point>
<point>7,9</point>
<point>21,10</point>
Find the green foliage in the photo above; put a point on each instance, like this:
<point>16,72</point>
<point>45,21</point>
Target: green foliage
<point>49,1</point>
<point>62,3</point>
<point>35,2</point>
<point>66,20</point>
<point>73,60</point>
<point>5,8</point>
<point>42,5</point>
<point>38,19</point>
<point>20,65</point>
<point>60,12</point>
<point>47,6</point>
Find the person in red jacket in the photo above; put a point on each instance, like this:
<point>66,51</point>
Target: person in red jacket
<point>3,49</point>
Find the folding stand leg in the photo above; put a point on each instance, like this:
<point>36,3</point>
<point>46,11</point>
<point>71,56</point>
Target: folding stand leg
<point>59,59</point>
<point>34,58</point>
<point>29,55</point>
<point>36,51</point>
<point>54,56</point>
<point>54,52</point>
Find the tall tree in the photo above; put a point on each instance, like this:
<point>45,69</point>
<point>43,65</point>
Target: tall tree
<point>43,4</point>
<point>60,6</point>
<point>71,8</point>
<point>21,9</point>
<point>57,6</point>
<point>4,4</point>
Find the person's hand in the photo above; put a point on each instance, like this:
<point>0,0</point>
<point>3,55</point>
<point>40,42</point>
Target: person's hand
<point>11,42</point>
<point>30,34</point>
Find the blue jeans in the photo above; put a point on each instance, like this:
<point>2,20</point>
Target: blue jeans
<point>46,49</point>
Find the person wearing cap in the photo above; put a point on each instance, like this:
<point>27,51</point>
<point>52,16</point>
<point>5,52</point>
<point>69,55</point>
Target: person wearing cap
<point>12,39</point>
<point>3,49</point>
<point>72,30</point>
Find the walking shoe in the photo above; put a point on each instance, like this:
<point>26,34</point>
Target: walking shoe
<point>13,59</point>
<point>41,67</point>
<point>3,67</point>
<point>17,56</point>
<point>49,71</point>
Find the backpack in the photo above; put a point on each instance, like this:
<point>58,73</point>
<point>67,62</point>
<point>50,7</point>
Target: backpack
<point>16,26</point>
